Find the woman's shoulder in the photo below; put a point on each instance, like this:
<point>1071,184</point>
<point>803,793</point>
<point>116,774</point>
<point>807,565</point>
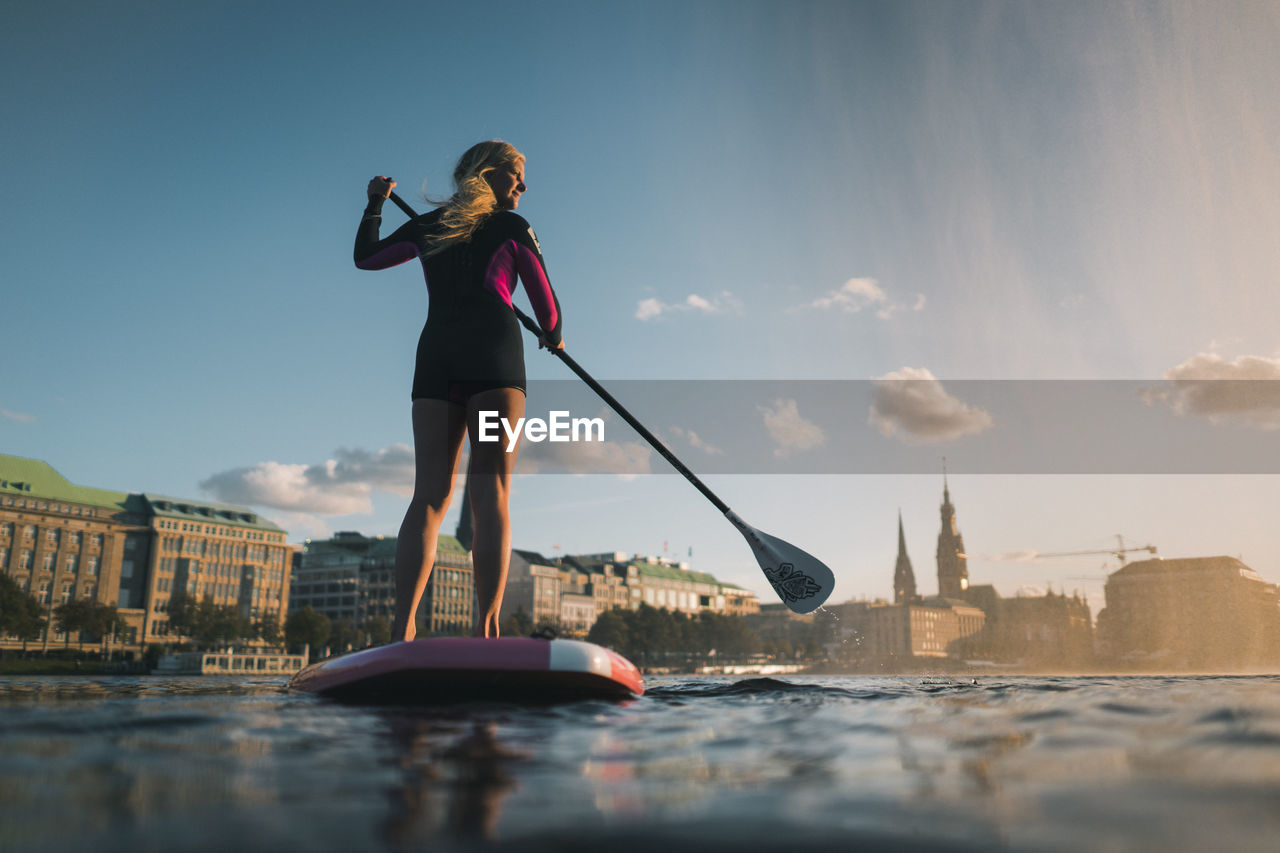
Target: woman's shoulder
<point>509,219</point>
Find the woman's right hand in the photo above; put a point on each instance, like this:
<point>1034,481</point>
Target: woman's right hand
<point>380,187</point>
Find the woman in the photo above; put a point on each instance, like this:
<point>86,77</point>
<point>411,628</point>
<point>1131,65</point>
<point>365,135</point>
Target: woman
<point>470,359</point>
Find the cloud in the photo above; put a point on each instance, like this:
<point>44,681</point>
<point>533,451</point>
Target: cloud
<point>1244,391</point>
<point>696,442</point>
<point>20,417</point>
<point>1024,556</point>
<point>857,294</point>
<point>912,403</point>
<point>301,525</point>
<point>297,488</point>
<point>584,457</point>
<point>788,428</point>
<point>723,302</point>
<point>339,486</point>
<point>390,469</point>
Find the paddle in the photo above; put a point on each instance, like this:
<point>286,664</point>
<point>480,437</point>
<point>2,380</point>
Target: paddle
<point>801,580</point>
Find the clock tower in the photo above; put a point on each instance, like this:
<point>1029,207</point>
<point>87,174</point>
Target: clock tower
<point>953,563</point>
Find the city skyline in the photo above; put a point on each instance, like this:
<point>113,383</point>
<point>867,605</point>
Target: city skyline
<point>802,191</point>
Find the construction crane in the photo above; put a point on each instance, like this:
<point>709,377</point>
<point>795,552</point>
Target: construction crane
<point>1118,553</point>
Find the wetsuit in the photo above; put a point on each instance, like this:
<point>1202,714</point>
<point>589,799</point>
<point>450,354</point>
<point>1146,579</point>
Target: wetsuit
<point>471,341</point>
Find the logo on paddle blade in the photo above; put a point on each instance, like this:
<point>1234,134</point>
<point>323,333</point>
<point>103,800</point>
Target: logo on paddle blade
<point>792,584</point>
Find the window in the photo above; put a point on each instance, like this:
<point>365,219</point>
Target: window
<point>48,562</point>
<point>91,566</point>
<point>72,563</point>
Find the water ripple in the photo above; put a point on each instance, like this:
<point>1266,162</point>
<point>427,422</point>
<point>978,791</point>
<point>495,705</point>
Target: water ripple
<point>705,763</point>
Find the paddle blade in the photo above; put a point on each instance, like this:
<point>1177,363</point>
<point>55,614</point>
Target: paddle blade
<point>801,580</point>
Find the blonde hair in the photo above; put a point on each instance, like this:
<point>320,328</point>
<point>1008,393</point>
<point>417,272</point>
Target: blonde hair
<point>473,200</point>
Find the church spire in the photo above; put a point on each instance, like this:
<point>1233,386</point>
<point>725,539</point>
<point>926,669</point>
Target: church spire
<point>953,563</point>
<point>904,577</point>
<point>466,531</point>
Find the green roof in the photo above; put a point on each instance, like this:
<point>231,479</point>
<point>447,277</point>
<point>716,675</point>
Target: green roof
<point>186,509</point>
<point>33,478</point>
<point>450,544</point>
<point>657,570</point>
<point>384,547</point>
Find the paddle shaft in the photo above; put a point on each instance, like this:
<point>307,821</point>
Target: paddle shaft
<point>640,428</point>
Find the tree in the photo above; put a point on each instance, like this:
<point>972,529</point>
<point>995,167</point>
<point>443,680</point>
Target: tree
<point>75,615</point>
<point>181,613</point>
<point>343,635</point>
<point>379,630</point>
<point>222,624</point>
<point>652,630</point>
<point>610,631</point>
<point>306,627</point>
<point>20,613</point>
<point>269,630</point>
<point>100,620</point>
<point>518,624</point>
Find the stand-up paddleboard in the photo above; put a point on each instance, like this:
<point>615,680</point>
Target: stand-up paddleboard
<point>457,669</point>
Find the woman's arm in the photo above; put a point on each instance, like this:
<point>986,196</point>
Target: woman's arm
<point>537,286</point>
<point>372,253</point>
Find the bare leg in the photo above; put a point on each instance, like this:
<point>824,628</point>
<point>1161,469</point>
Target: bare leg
<point>490,472</point>
<point>438,430</point>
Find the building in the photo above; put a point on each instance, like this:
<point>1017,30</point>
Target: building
<point>953,564</point>
<point>224,554</point>
<point>61,541</point>
<point>533,587</point>
<point>1203,613</point>
<point>1051,631</point>
<point>670,585</point>
<point>913,628</point>
<point>881,633</point>
<point>555,592</point>
<point>351,580</point>
<point>326,577</point>
<point>904,577</point>
<point>739,601</point>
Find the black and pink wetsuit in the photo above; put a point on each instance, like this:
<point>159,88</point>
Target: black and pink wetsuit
<point>471,341</point>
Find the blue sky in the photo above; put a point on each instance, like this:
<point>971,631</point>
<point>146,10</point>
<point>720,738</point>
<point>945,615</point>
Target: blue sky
<point>736,190</point>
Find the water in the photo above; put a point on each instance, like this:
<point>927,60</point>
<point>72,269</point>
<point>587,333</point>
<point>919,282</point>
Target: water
<point>1019,763</point>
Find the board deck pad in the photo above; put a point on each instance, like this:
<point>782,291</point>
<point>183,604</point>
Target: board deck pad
<point>442,670</point>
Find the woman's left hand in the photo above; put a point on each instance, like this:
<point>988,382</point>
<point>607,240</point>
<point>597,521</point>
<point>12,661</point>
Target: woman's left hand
<point>380,187</point>
<point>542,344</point>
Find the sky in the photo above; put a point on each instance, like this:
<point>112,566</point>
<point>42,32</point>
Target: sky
<point>743,206</point>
